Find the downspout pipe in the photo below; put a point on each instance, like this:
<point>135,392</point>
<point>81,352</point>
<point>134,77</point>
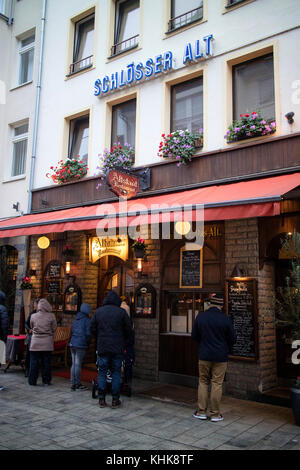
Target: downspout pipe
<point>37,108</point>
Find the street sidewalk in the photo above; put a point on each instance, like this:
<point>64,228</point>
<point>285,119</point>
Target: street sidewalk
<point>56,418</point>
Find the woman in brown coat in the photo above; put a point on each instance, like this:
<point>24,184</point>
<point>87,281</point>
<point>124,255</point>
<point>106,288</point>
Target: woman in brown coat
<point>43,325</point>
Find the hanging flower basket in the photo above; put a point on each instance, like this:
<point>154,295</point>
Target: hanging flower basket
<point>139,248</point>
<point>70,170</point>
<point>118,157</point>
<point>180,145</point>
<point>68,252</point>
<point>26,283</point>
<point>249,126</point>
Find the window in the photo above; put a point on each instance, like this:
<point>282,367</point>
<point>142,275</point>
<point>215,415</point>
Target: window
<point>20,137</point>
<point>187,105</point>
<point>123,123</point>
<point>83,44</point>
<point>253,88</point>
<point>127,25</point>
<point>79,138</point>
<point>183,12</point>
<point>233,2</point>
<point>2,7</point>
<point>26,52</point>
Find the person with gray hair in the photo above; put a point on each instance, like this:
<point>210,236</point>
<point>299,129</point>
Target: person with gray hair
<point>43,325</point>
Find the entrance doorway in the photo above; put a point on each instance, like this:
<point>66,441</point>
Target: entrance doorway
<point>118,275</point>
<point>8,277</point>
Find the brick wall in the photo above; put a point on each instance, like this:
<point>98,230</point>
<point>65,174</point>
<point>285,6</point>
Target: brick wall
<point>242,248</point>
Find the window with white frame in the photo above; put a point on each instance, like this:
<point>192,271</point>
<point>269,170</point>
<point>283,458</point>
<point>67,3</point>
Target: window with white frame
<point>83,44</point>
<point>79,138</point>
<point>19,141</point>
<point>26,54</point>
<point>184,13</point>
<point>2,7</point>
<point>127,25</point>
<point>124,123</point>
<point>187,105</point>
<point>253,87</point>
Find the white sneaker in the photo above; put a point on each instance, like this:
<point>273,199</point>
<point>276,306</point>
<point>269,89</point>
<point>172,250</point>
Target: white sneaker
<point>1,388</point>
<point>217,418</point>
<point>199,416</point>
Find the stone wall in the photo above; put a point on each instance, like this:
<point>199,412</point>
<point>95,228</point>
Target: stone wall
<point>242,249</point>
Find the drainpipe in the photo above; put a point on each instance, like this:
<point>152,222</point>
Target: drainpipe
<point>37,106</point>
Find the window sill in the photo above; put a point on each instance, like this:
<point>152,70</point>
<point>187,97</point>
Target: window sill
<point>125,52</point>
<point>22,85</point>
<point>80,72</point>
<point>14,178</point>
<point>241,3</point>
<point>4,17</point>
<point>250,139</point>
<point>180,29</point>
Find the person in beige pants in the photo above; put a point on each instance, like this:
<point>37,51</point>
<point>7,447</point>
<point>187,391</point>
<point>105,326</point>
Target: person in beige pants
<point>214,332</point>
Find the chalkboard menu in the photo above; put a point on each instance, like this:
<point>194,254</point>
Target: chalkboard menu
<point>241,306</point>
<point>53,287</point>
<point>191,268</point>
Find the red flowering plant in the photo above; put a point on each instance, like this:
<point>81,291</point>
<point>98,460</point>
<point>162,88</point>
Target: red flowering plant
<point>249,126</point>
<point>180,145</point>
<point>26,283</point>
<point>139,243</point>
<point>68,251</point>
<point>119,156</point>
<point>69,170</point>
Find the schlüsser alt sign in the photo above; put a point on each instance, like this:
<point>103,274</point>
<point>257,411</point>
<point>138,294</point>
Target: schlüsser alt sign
<point>113,246</point>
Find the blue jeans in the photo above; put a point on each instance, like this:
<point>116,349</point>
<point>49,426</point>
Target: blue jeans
<point>77,357</point>
<point>112,362</point>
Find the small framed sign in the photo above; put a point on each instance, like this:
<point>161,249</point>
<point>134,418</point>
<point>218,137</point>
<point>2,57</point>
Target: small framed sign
<point>191,268</point>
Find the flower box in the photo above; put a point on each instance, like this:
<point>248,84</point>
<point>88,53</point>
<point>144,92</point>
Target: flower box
<point>68,171</point>
<point>180,146</point>
<point>249,127</point>
<point>118,157</point>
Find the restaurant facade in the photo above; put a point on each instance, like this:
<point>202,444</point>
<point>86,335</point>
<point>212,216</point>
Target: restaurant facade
<point>213,225</point>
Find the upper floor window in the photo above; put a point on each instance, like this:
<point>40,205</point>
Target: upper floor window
<point>3,7</point>
<point>79,138</point>
<point>83,44</point>
<point>127,25</point>
<point>253,88</point>
<point>124,123</point>
<point>184,13</point>
<point>234,2</point>
<point>19,140</point>
<point>26,52</point>
<point>187,105</point>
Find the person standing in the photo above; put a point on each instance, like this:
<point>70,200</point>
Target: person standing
<point>214,332</point>
<point>111,325</point>
<point>79,343</point>
<point>28,337</point>
<point>3,322</point>
<point>43,325</point>
<point>129,354</point>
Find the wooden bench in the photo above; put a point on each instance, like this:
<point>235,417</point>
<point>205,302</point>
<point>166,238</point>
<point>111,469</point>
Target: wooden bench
<point>61,340</point>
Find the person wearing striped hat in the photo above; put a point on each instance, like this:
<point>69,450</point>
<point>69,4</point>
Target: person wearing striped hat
<point>213,330</point>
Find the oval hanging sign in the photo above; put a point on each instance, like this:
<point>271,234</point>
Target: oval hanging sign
<point>123,184</point>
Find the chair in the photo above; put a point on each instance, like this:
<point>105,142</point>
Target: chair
<point>61,340</point>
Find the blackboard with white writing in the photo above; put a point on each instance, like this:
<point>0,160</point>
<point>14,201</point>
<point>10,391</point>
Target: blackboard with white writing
<point>241,306</point>
<point>190,268</point>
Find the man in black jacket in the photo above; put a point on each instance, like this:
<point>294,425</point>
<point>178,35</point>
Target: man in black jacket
<point>3,321</point>
<point>111,325</point>
<point>214,332</point>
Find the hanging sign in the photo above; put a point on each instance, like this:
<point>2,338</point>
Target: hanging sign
<point>112,246</point>
<point>123,184</point>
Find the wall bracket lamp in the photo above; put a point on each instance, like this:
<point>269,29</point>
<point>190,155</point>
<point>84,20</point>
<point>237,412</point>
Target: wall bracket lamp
<point>290,117</point>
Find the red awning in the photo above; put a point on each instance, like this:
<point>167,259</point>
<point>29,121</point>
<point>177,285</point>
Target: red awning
<point>245,199</point>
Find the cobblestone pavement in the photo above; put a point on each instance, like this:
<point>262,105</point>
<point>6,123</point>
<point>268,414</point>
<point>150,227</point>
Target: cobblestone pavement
<point>56,418</point>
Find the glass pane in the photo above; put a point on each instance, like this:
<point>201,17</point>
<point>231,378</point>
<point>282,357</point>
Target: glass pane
<point>253,88</point>
<point>19,158</point>
<point>2,7</point>
<point>84,40</point>
<point>180,313</point>
<point>128,20</point>
<point>187,106</point>
<point>180,7</point>
<point>123,123</point>
<point>26,66</point>
<point>21,129</point>
<point>27,41</point>
<point>79,139</point>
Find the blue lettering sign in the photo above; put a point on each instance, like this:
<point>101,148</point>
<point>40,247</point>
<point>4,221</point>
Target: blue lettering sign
<point>97,86</point>
<point>139,71</point>
<point>198,53</point>
<point>168,61</point>
<point>122,81</point>
<point>114,81</point>
<point>188,54</point>
<point>130,72</point>
<point>149,68</point>
<point>207,39</point>
<point>105,87</point>
<point>158,64</point>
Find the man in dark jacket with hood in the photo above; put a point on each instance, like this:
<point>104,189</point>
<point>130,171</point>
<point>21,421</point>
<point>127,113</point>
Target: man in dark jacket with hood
<point>79,343</point>
<point>3,321</point>
<point>111,325</point>
<point>214,332</point>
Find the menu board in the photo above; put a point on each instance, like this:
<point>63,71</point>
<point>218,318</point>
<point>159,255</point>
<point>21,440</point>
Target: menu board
<point>53,287</point>
<point>241,306</point>
<point>53,270</point>
<point>191,268</point>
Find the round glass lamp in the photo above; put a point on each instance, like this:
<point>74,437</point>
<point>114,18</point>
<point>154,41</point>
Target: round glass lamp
<point>43,243</point>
